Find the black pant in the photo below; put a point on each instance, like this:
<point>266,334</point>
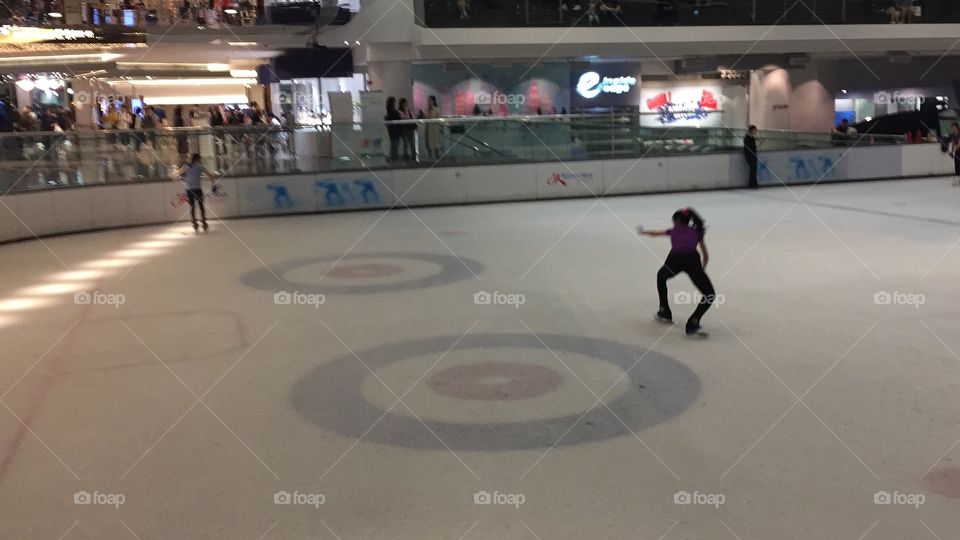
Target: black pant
<point>195,197</point>
<point>956,164</point>
<point>752,164</point>
<point>394,146</point>
<point>689,262</point>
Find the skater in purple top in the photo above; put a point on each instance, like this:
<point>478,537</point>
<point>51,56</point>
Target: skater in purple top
<point>685,236</point>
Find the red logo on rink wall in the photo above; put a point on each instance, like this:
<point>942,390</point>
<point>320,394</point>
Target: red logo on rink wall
<point>563,179</point>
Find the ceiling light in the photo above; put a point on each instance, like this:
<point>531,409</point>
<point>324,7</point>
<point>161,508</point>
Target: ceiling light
<point>230,11</point>
<point>55,15</point>
<point>243,73</point>
<point>58,59</point>
<point>218,67</point>
<point>197,100</point>
<point>242,43</point>
<point>218,81</point>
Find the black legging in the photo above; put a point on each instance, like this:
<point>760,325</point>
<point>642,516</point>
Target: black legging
<point>195,197</point>
<point>689,262</point>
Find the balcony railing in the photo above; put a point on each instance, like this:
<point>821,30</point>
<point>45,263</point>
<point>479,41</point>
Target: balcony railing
<point>83,158</point>
<point>521,13</point>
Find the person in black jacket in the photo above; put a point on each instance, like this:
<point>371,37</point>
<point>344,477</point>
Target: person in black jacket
<point>395,132</point>
<point>750,153</point>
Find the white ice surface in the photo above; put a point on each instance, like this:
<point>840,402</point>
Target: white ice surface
<point>812,396</point>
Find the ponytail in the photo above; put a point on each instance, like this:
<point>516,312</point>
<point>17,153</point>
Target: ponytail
<point>690,218</point>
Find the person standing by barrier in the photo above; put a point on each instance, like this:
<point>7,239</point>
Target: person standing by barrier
<point>192,173</point>
<point>393,130</point>
<point>750,154</point>
<point>408,132</point>
<point>434,130</point>
<point>686,236</point>
<point>180,121</point>
<point>953,150</point>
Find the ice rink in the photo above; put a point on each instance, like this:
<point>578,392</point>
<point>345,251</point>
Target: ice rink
<point>491,371</point>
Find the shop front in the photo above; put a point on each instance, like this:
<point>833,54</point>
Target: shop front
<point>596,87</point>
<point>490,89</point>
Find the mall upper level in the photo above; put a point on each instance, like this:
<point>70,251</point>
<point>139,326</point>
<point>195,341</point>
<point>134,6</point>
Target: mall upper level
<point>475,29</point>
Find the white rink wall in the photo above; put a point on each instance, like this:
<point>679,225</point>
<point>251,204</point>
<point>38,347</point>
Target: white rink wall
<point>63,210</point>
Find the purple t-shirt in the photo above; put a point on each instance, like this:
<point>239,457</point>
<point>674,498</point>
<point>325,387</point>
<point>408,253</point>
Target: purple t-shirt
<point>684,239</point>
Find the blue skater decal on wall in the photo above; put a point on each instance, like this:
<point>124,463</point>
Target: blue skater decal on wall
<point>800,170</point>
<point>792,168</point>
<point>332,193</point>
<point>763,172</point>
<point>281,197</point>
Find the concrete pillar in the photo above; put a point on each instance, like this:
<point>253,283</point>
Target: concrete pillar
<point>83,102</point>
<point>797,99</point>
<point>393,77</point>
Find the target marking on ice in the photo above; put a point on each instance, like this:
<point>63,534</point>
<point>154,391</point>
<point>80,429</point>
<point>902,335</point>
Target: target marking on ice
<point>655,388</point>
<point>360,271</point>
<point>504,381</point>
<point>332,270</point>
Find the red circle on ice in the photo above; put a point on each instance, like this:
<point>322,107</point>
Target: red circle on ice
<point>496,381</point>
<point>944,482</point>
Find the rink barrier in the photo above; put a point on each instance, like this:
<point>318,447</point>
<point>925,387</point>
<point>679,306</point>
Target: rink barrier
<point>25,215</point>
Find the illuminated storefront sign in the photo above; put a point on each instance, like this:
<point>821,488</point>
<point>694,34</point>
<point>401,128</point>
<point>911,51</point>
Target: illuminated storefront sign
<point>591,84</point>
<point>601,85</point>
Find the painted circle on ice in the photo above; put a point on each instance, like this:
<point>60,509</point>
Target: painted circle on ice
<point>503,381</point>
<point>944,481</point>
<point>354,266</point>
<point>656,388</point>
<point>360,271</point>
